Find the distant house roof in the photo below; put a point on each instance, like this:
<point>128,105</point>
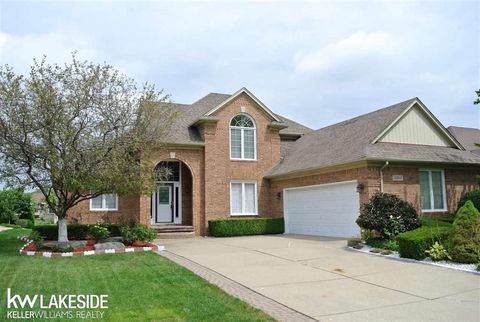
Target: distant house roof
<point>183,130</point>
<point>467,137</point>
<point>356,140</point>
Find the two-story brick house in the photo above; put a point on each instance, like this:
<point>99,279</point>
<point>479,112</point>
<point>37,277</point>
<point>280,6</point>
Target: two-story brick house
<point>231,156</point>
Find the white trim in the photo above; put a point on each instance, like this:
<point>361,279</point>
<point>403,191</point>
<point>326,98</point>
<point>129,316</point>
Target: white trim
<point>322,185</point>
<point>429,114</point>
<point>176,184</point>
<point>247,92</point>
<point>104,208</point>
<point>242,138</point>
<point>243,182</point>
<point>444,191</point>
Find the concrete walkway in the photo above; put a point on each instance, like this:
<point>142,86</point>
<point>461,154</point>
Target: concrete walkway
<point>321,279</point>
<point>2,228</point>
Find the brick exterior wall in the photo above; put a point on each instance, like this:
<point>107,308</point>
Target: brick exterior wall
<point>207,172</point>
<point>220,170</point>
<point>457,182</point>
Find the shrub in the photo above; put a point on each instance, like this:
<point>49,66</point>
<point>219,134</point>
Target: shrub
<point>478,266</point>
<point>473,196</point>
<point>62,248</point>
<point>382,243</point>
<point>354,241</point>
<point>24,223</point>
<point>98,232</point>
<point>15,204</point>
<point>437,252</point>
<point>245,226</point>
<point>367,234</point>
<point>36,237</point>
<point>137,233</point>
<point>75,231</point>
<point>388,214</point>
<point>464,243</point>
<point>414,243</point>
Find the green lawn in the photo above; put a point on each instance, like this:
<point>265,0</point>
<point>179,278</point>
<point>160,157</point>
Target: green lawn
<point>141,286</point>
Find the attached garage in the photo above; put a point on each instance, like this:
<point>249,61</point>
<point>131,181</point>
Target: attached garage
<point>322,210</point>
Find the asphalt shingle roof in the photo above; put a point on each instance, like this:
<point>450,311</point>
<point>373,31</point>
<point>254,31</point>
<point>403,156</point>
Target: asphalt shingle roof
<point>182,131</point>
<point>350,141</point>
<point>467,137</point>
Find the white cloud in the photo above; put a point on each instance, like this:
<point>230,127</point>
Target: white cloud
<point>19,50</point>
<point>359,45</point>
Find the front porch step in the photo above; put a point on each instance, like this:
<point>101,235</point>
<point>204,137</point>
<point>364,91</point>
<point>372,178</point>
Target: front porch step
<point>164,229</point>
<point>176,235</point>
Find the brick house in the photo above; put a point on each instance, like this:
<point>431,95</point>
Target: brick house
<point>230,156</point>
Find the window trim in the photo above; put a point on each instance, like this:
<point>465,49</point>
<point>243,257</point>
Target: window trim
<point>242,138</point>
<point>444,191</point>
<point>243,182</point>
<point>104,208</point>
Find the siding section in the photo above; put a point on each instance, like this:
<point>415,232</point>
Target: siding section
<point>416,128</point>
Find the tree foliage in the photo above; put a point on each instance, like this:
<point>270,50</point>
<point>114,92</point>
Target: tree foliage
<point>15,204</point>
<point>78,130</point>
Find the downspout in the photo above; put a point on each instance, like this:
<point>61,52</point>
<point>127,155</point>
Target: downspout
<point>381,175</point>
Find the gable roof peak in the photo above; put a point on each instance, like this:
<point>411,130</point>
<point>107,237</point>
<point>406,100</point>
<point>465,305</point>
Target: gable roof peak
<point>243,90</point>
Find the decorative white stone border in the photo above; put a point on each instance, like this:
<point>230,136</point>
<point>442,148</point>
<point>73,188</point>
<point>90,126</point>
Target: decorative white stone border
<point>129,249</point>
<point>396,256</point>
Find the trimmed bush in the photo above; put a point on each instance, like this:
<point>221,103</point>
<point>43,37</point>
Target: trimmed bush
<point>464,243</point>
<point>415,243</point>
<point>75,231</point>
<point>388,215</point>
<point>473,195</point>
<point>245,226</point>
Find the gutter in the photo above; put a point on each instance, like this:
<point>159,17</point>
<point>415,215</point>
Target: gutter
<point>381,175</point>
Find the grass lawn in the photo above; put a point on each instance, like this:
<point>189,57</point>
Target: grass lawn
<point>140,287</point>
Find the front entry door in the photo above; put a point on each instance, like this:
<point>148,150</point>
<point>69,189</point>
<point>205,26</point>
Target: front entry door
<point>165,203</point>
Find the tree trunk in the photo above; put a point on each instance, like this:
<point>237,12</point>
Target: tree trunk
<point>62,230</point>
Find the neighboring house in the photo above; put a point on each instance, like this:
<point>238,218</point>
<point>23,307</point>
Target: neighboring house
<point>230,156</point>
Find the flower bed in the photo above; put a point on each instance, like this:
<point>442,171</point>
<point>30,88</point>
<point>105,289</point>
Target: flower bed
<point>395,255</point>
<point>30,249</point>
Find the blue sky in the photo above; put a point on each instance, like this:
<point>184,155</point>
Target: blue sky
<point>315,62</point>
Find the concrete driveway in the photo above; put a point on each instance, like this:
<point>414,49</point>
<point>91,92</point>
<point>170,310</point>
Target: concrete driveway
<point>322,279</point>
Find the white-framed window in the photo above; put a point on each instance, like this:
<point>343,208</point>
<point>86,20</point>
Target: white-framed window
<point>243,198</point>
<point>105,202</point>
<point>432,190</point>
<point>243,138</point>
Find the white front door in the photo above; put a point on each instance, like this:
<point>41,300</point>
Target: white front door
<point>164,213</point>
<point>322,210</point>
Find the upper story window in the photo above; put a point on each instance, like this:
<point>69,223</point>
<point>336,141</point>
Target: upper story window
<point>243,139</point>
<point>105,202</point>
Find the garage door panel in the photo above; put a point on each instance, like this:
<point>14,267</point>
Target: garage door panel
<point>325,210</point>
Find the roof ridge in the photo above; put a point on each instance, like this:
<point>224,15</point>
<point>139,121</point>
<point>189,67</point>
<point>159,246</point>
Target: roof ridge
<point>363,115</point>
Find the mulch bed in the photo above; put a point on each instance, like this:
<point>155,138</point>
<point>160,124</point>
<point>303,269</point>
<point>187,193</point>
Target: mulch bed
<point>31,249</point>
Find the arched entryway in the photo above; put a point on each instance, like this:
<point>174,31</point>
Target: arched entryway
<point>171,203</point>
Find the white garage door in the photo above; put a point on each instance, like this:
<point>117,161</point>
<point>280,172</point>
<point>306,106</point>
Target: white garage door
<point>322,210</point>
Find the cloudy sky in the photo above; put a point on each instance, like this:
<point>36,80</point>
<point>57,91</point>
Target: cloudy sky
<point>315,62</point>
